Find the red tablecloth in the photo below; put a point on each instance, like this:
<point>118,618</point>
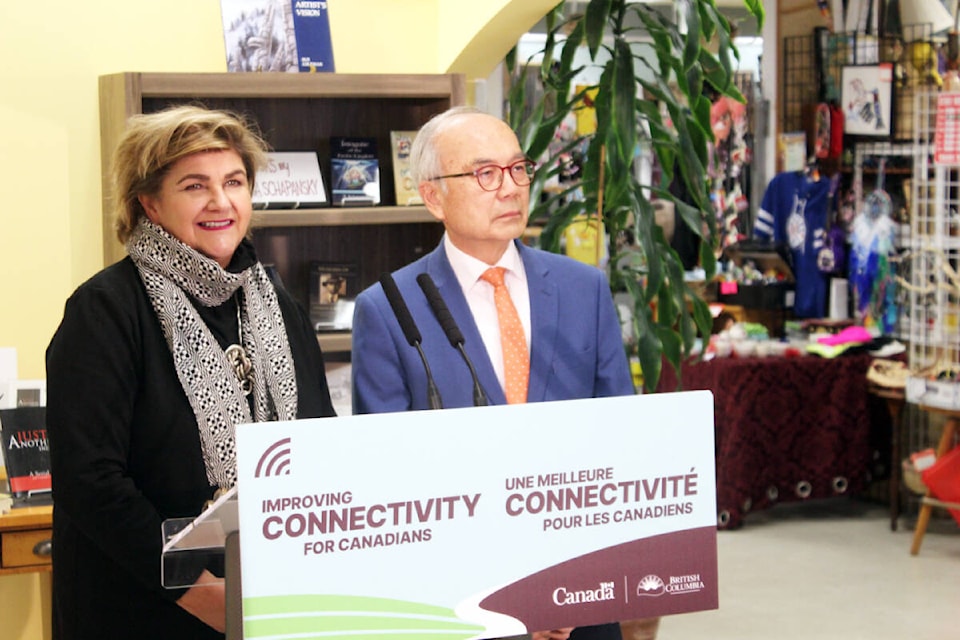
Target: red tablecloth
<point>786,428</point>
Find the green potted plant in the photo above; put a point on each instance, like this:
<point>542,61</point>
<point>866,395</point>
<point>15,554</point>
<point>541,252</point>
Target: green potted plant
<point>654,99</point>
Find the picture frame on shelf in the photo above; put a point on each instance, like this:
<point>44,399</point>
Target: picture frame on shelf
<point>792,151</point>
<point>290,180</point>
<point>867,97</point>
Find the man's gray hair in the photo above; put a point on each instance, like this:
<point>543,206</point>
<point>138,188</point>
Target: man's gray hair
<point>425,161</point>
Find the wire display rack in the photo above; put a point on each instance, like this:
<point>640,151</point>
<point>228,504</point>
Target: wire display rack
<point>930,275</point>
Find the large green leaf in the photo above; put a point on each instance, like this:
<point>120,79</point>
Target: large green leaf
<point>691,50</point>
<point>596,23</point>
<point>756,9</point>
<point>624,117</point>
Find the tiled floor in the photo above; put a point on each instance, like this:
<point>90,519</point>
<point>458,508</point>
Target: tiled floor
<point>831,570</point>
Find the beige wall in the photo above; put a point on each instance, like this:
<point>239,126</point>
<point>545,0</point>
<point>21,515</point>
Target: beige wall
<point>50,236</point>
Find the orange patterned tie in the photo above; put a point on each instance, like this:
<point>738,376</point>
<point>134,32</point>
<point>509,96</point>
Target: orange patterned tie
<point>516,359</point>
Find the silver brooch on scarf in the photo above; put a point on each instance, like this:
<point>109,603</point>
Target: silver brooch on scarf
<point>242,367</point>
<point>239,360</point>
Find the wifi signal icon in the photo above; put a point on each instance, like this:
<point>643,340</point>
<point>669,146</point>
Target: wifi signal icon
<point>275,461</point>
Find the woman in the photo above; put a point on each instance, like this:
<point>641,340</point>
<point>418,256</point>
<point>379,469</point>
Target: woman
<point>157,358</point>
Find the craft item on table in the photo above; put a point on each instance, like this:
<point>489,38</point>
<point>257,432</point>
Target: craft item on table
<point>854,335</point>
<point>829,351</point>
<point>891,374</point>
<point>887,347</point>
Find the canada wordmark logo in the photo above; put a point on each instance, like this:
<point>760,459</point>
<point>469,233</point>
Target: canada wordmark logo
<point>275,461</point>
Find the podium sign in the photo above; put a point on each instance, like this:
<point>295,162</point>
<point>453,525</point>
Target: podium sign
<point>481,522</point>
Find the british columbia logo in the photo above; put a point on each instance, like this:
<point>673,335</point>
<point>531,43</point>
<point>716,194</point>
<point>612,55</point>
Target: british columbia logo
<point>275,461</point>
<point>653,585</point>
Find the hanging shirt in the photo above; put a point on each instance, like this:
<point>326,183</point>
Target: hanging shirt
<point>794,212</point>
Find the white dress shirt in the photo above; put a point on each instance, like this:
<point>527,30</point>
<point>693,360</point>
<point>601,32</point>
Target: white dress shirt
<point>479,295</point>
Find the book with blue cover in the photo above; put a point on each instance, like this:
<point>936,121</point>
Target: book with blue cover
<point>311,24</point>
<point>354,172</point>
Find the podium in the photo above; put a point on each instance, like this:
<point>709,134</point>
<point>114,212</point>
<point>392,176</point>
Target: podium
<point>483,522</point>
<point>212,538</point>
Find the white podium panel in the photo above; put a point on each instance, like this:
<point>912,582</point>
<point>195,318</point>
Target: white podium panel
<point>481,522</point>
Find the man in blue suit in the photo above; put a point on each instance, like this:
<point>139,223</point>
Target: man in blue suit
<point>474,178</point>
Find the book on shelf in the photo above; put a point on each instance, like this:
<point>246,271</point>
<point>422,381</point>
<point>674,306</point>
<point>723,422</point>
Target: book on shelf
<point>354,171</point>
<point>404,187</point>
<point>311,24</point>
<point>26,451</point>
<point>277,35</point>
<point>290,180</point>
<point>333,288</point>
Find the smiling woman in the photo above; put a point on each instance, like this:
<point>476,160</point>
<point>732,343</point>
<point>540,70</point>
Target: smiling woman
<point>204,201</point>
<point>157,358</point>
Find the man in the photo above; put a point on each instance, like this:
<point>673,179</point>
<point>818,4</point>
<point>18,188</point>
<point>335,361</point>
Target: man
<point>474,178</point>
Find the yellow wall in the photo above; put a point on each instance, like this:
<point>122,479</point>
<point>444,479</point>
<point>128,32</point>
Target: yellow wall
<point>53,52</point>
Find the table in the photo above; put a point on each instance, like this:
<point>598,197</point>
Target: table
<point>25,535</point>
<point>787,428</point>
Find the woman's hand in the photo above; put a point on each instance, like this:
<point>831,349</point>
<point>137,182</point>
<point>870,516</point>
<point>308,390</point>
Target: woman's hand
<point>207,601</point>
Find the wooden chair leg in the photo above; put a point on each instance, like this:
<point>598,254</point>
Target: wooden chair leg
<point>946,441</point>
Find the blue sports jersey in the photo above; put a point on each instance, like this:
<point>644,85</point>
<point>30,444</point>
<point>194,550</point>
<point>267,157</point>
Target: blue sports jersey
<point>794,212</point>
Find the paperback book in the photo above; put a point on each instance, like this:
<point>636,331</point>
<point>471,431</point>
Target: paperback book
<point>333,288</point>
<point>354,172</point>
<point>404,187</point>
<point>26,451</point>
<point>311,24</point>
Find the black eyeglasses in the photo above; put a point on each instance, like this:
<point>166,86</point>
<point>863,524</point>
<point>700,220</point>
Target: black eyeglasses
<point>490,176</point>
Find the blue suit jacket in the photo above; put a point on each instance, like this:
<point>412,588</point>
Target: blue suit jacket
<point>576,346</point>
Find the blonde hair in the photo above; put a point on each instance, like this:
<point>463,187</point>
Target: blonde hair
<point>153,142</point>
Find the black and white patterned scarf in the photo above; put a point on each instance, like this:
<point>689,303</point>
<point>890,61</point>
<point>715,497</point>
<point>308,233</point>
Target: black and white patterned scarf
<point>171,270</point>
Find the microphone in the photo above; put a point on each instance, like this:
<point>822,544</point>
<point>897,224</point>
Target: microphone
<point>411,333</point>
<point>450,328</point>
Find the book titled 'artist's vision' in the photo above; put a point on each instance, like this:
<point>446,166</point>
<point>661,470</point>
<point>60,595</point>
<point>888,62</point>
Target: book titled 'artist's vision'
<point>26,450</point>
<point>354,171</point>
